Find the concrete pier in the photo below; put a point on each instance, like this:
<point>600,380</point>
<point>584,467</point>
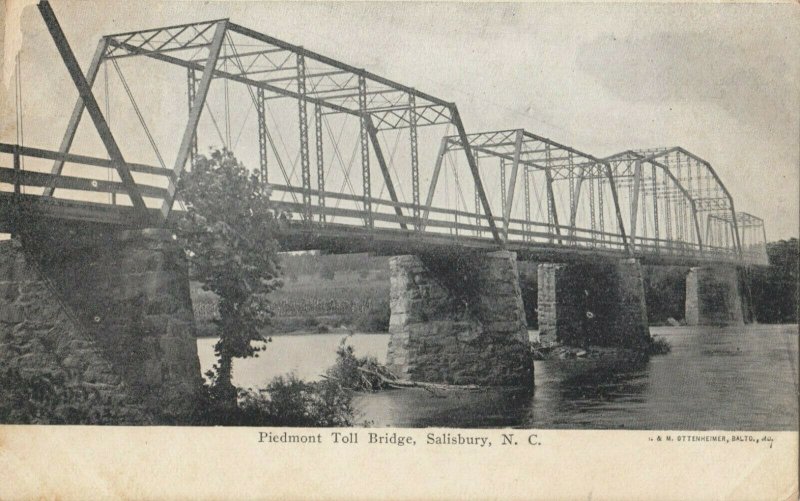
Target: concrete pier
<point>106,310</point>
<point>593,304</point>
<point>459,321</point>
<point>713,296</point>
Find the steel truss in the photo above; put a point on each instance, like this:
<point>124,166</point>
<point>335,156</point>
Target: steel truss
<point>558,162</point>
<point>666,188</point>
<point>272,69</point>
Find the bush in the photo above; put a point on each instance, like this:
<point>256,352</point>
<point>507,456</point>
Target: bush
<point>357,373</point>
<point>286,401</point>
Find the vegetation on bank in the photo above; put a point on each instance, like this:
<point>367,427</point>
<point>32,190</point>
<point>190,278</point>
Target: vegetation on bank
<point>774,289</point>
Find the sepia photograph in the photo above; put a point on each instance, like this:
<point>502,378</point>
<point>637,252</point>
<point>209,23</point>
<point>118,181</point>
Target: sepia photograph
<point>429,226</point>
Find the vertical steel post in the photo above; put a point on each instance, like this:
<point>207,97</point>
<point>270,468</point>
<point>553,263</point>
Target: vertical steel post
<point>191,82</point>
<point>477,200</point>
<point>305,162</point>
<point>655,208</point>
<point>17,190</point>
<point>601,210</point>
<point>364,137</point>
<point>320,163</point>
<point>592,216</point>
<point>262,134</point>
<point>637,177</point>
<point>527,193</point>
<point>17,173</point>
<point>502,186</point>
<point>412,124</point>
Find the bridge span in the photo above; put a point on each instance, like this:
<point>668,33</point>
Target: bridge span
<point>357,162</point>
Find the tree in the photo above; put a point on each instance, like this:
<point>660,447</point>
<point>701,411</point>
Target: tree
<point>775,288</point>
<point>228,234</point>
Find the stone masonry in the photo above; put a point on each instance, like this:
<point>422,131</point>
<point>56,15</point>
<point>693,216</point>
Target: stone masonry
<point>713,296</point>
<point>599,304</point>
<point>109,307</point>
<point>459,321</point>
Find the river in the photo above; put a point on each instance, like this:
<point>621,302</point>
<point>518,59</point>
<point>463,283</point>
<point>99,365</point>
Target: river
<point>726,378</point>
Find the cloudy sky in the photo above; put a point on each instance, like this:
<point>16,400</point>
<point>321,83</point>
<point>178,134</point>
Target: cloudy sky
<point>720,80</point>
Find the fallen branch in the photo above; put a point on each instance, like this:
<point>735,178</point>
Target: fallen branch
<point>403,383</point>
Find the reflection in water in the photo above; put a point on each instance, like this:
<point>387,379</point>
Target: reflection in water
<point>735,378</point>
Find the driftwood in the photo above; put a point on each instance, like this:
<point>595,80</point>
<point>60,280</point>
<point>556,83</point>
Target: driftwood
<point>402,383</point>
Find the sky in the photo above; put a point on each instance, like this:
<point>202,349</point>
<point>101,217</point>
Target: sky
<point>721,80</point>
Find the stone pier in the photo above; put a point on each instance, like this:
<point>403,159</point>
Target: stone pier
<point>459,320</point>
<point>107,311</point>
<point>599,304</point>
<point>713,296</point>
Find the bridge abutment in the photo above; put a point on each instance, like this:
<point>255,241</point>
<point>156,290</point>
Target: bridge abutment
<point>459,321</point>
<point>104,308</point>
<point>713,296</point>
<point>593,304</point>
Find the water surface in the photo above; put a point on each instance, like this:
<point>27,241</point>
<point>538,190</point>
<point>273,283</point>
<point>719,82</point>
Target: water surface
<point>731,378</point>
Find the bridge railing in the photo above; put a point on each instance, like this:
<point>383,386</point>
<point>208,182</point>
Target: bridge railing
<point>468,225</point>
<point>26,173</point>
<point>25,176</point>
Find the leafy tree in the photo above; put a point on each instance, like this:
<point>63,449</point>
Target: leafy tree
<point>774,288</point>
<point>228,234</point>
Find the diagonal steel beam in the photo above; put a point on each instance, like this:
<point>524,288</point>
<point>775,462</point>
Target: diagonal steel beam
<point>473,167</point>
<point>617,210</point>
<point>551,200</point>
<point>443,148</point>
<point>85,91</point>
<point>512,184</point>
<point>77,113</point>
<point>194,116</point>
<point>387,178</point>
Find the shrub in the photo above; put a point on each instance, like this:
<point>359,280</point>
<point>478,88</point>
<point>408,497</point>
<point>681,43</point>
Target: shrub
<point>286,401</point>
<point>357,373</point>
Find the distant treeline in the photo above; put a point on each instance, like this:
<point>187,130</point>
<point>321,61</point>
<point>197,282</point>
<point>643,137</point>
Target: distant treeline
<point>773,289</point>
<point>354,289</point>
